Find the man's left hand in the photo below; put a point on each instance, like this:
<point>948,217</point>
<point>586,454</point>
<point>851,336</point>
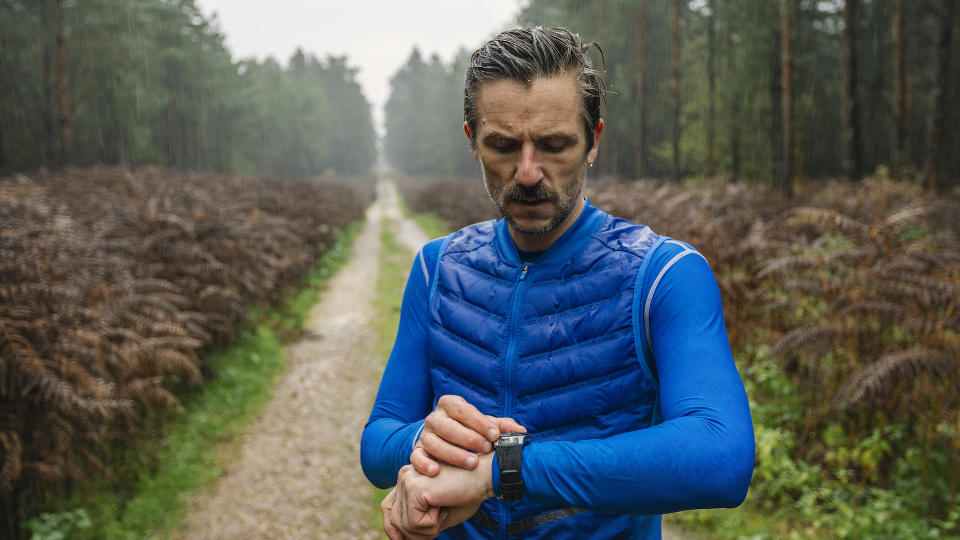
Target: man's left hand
<point>421,506</point>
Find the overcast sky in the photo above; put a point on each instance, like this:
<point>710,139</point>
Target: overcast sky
<point>376,35</point>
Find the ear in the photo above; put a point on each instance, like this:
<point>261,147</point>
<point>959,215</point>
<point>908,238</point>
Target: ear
<point>466,129</point>
<point>592,154</point>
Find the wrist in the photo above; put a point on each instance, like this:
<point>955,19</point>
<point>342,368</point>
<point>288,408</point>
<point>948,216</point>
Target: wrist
<point>487,471</point>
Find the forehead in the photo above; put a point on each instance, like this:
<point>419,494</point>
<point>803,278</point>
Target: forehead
<point>548,103</point>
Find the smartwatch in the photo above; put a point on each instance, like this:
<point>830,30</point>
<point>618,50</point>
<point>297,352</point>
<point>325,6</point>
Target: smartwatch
<point>509,452</point>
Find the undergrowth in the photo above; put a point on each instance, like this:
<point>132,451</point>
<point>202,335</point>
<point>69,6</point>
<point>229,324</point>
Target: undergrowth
<point>152,478</point>
<point>843,310</point>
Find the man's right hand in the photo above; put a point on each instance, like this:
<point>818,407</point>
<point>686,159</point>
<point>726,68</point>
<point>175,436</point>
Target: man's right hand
<point>454,433</point>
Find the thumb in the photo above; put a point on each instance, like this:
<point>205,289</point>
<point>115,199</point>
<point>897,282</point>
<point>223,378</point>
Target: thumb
<point>509,425</point>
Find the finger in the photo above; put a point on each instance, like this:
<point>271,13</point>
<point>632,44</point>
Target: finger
<point>385,505</point>
<point>423,463</point>
<point>455,433</point>
<point>392,532</point>
<point>509,425</point>
<point>442,450</point>
<point>458,409</point>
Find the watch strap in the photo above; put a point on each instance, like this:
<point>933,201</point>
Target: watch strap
<point>509,461</point>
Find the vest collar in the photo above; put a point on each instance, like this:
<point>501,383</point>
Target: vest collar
<point>564,248</point>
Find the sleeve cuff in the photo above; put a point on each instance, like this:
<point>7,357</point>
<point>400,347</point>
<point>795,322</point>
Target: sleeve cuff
<point>416,436</point>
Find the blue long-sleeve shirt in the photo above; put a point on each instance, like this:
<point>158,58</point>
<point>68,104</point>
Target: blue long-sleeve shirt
<point>701,455</point>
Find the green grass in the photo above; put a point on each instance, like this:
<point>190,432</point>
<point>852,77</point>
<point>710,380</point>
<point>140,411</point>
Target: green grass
<point>395,262</point>
<point>152,480</point>
<point>431,223</point>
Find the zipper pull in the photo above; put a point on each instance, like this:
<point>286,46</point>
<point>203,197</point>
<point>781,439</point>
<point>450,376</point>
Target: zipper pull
<point>523,273</point>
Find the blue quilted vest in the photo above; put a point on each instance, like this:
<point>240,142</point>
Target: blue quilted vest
<point>556,344</point>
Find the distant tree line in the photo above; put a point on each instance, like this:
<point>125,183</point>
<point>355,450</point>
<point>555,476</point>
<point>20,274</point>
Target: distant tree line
<point>150,81</point>
<point>423,116</point>
<point>747,89</point>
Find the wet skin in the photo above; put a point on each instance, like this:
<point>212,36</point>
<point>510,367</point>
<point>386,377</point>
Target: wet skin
<point>532,149</point>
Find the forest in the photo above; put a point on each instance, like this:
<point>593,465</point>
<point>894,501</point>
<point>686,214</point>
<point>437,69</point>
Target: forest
<point>761,90</point>
<point>162,89</point>
<point>818,139</point>
<point>157,194</point>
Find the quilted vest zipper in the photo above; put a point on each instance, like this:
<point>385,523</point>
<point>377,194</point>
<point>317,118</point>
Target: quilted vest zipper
<point>508,370</point>
<point>511,343</point>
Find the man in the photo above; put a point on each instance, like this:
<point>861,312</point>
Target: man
<point>598,342</point>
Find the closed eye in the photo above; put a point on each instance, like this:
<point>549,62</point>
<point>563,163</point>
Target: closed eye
<point>555,144</point>
<point>504,147</point>
<point>501,144</point>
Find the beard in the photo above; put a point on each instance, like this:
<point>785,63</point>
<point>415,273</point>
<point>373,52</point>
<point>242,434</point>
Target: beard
<point>564,200</point>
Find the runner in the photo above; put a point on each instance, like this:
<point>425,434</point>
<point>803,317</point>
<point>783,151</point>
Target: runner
<point>599,342</point>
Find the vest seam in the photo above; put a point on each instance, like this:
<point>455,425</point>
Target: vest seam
<point>478,389</point>
<point>481,274</point>
<point>460,301</point>
<point>476,228</point>
<point>465,342</point>
<point>472,248</point>
<point>577,309</point>
<point>602,338</point>
<point>628,250</point>
<point>573,277</point>
<point>594,381</point>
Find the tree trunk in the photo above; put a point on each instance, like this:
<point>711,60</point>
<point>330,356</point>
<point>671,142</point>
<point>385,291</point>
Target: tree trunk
<point>3,156</point>
<point>640,34</point>
<point>675,85</point>
<point>711,85</point>
<point>936,158</point>
<point>49,110</point>
<point>786,102</point>
<point>64,106</point>
<point>776,109</point>
<point>734,109</point>
<point>853,159</point>
<point>899,143</point>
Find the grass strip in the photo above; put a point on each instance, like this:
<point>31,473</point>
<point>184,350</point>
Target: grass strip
<point>395,263</point>
<point>188,451</point>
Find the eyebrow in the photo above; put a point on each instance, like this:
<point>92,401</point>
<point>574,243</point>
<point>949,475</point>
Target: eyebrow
<point>558,137</point>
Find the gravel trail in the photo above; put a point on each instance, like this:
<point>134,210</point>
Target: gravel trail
<point>297,472</point>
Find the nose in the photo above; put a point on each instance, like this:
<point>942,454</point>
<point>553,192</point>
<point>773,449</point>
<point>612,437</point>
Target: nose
<point>529,171</point>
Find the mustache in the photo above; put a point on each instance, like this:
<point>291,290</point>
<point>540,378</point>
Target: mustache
<point>537,193</point>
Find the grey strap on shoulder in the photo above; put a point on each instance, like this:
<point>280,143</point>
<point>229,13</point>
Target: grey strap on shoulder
<point>423,266</point>
<point>687,250</point>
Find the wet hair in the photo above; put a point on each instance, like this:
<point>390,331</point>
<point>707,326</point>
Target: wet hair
<point>523,54</point>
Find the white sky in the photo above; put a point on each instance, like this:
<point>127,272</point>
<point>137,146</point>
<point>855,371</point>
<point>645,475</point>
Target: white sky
<point>376,35</point>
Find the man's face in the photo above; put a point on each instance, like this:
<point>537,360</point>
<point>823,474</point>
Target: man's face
<point>531,146</point>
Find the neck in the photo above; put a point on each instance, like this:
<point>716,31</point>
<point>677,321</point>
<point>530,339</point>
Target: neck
<point>540,242</point>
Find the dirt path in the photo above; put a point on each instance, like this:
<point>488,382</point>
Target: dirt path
<point>297,472</point>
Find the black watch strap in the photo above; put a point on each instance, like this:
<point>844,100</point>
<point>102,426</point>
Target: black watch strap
<point>509,449</point>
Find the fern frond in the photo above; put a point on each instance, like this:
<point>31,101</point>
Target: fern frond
<point>782,265</point>
<point>888,311</point>
<point>818,334</point>
<point>829,219</point>
<point>874,382</point>
<point>904,217</point>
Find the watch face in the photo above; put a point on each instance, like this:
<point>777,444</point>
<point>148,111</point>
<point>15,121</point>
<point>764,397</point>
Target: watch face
<point>512,438</point>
